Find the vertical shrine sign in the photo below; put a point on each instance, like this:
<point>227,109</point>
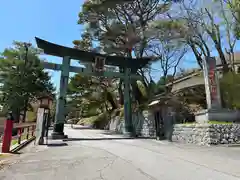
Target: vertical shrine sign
<point>212,88</point>
<point>39,126</point>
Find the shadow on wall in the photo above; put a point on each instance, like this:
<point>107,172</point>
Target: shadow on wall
<point>143,123</point>
<point>138,121</point>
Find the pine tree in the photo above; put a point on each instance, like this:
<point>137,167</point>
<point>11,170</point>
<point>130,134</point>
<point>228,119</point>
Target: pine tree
<point>22,78</point>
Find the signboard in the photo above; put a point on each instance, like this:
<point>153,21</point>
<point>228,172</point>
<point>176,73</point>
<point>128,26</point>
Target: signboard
<point>211,84</point>
<point>212,80</point>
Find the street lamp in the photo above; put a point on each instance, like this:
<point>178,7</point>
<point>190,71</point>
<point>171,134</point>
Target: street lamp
<point>45,103</point>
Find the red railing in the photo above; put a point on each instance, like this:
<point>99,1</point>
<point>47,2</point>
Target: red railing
<point>24,131</point>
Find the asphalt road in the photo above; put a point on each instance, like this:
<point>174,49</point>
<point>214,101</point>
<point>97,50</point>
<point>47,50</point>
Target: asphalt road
<point>97,155</point>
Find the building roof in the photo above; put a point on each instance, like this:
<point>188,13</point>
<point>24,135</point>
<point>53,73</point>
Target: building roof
<point>197,71</point>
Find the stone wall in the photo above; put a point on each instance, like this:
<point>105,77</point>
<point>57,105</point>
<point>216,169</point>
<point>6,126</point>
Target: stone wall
<point>143,123</point>
<point>116,125</point>
<point>207,134</point>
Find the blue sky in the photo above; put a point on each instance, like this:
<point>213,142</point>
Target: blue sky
<point>52,20</point>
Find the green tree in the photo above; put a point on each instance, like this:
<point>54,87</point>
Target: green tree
<point>121,28</point>
<point>234,7</point>
<point>22,78</point>
<point>91,96</point>
<point>160,85</point>
<point>230,84</point>
<point>203,29</point>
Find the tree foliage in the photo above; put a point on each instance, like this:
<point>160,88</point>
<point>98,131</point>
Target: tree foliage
<point>163,30</point>
<point>234,7</point>
<point>204,29</point>
<point>230,84</point>
<point>122,29</point>
<point>91,96</point>
<point>22,77</point>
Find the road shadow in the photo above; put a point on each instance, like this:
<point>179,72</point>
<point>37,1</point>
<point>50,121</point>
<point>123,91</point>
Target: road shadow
<point>107,132</point>
<point>16,153</point>
<point>82,128</point>
<point>110,133</point>
<point>56,144</point>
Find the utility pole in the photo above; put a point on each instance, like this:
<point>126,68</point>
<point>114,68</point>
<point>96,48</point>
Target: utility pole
<point>26,46</point>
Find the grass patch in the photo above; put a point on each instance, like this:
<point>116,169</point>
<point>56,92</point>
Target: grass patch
<point>219,122</point>
<point>15,141</point>
<point>3,155</point>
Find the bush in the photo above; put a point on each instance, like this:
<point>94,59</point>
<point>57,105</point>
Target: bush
<point>88,120</point>
<point>230,86</point>
<point>98,121</point>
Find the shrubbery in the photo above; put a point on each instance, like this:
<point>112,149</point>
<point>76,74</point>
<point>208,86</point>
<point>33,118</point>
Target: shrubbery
<point>230,87</point>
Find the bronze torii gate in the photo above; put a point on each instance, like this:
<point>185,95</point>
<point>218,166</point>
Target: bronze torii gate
<point>129,65</point>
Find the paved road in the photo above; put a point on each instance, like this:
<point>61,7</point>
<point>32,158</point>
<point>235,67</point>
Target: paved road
<point>122,159</point>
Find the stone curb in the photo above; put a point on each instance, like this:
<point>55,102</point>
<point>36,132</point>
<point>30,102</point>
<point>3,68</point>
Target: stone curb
<point>233,145</point>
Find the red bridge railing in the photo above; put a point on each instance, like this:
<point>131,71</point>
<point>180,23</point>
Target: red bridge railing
<point>16,134</point>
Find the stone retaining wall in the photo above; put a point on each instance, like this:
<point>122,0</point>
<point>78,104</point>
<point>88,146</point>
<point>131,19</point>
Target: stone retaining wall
<point>143,123</point>
<point>207,134</point>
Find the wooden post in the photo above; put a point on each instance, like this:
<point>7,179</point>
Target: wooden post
<point>7,136</point>
<point>19,135</point>
<point>28,132</point>
<point>33,129</point>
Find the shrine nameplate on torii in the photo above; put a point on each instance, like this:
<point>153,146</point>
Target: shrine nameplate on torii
<point>129,66</point>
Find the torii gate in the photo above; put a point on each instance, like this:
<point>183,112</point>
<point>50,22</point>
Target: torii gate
<point>130,66</point>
